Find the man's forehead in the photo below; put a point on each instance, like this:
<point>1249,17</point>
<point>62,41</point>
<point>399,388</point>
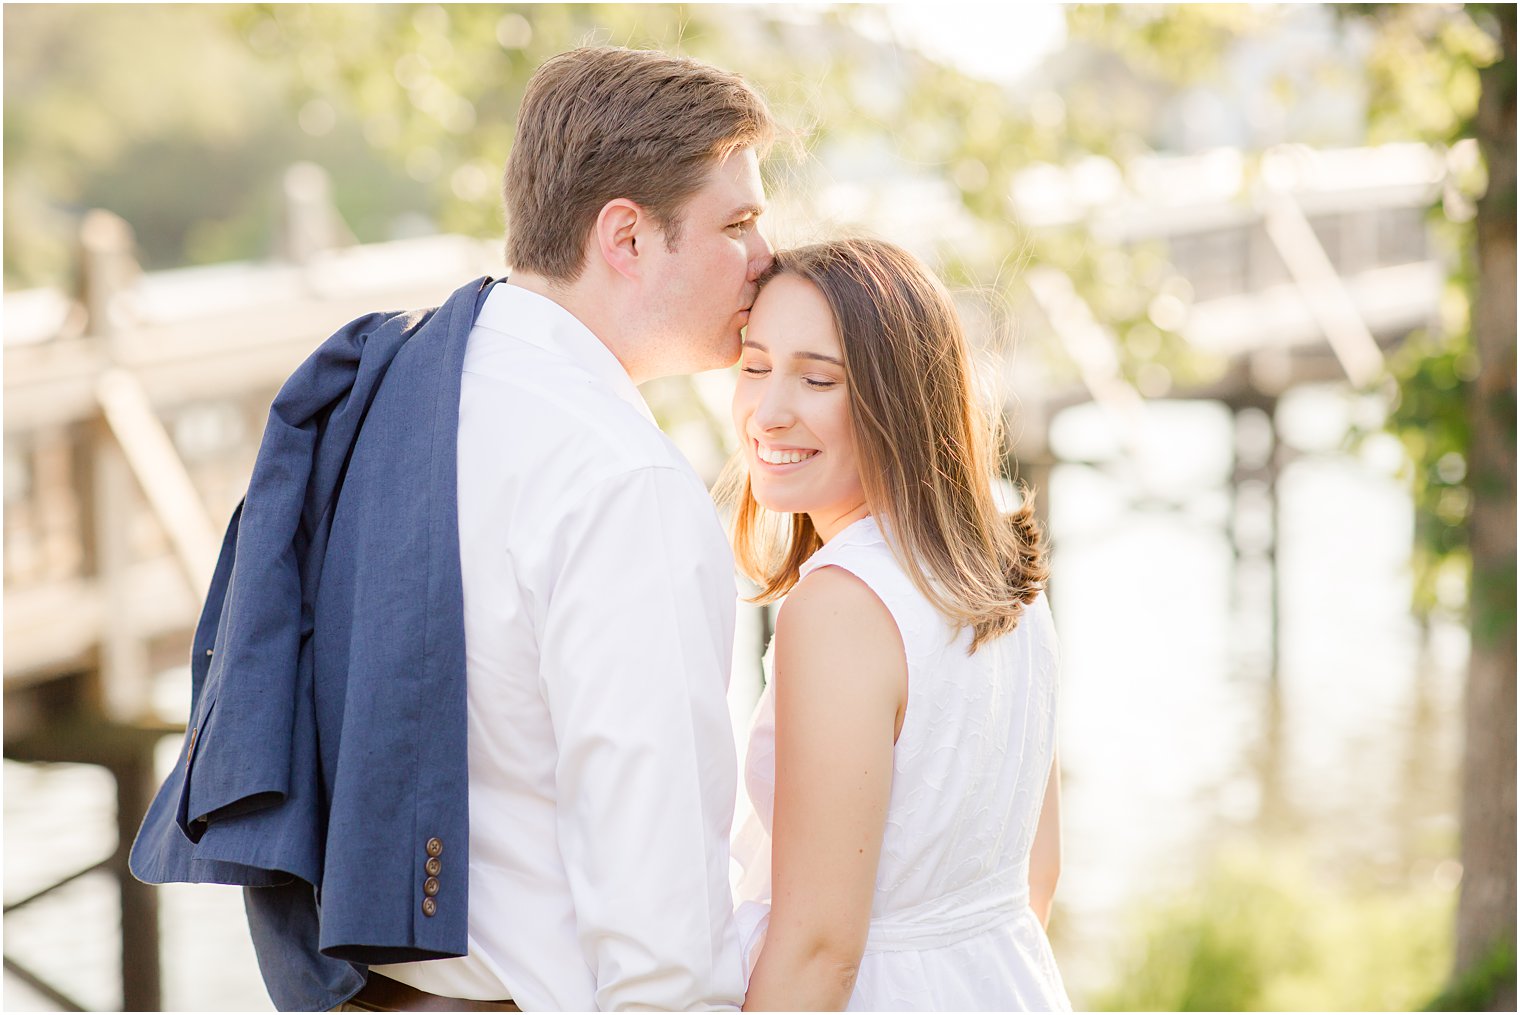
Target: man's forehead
<point>734,184</point>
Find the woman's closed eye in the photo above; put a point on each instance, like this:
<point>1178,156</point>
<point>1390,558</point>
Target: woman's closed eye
<point>816,383</point>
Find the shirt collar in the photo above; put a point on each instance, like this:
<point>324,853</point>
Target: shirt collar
<point>541,322</point>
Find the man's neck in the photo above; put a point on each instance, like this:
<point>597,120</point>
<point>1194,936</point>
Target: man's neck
<point>538,284</point>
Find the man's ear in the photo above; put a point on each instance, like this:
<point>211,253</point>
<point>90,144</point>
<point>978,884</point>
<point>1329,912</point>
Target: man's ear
<point>621,226</point>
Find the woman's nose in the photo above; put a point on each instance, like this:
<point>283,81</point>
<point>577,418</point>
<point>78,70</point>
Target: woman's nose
<point>773,411</point>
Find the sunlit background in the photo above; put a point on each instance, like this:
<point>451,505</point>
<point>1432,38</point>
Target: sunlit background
<point>1223,266</point>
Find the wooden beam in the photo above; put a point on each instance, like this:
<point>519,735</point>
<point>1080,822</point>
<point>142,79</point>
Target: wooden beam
<point>123,688</point>
<point>1323,290</point>
<point>162,475</point>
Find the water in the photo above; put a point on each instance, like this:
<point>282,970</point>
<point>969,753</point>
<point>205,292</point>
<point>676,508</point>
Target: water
<point>1175,739</point>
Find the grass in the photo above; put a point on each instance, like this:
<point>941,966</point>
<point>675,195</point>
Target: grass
<point>1260,931</point>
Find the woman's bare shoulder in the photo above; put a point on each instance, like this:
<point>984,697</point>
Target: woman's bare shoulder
<point>834,622</point>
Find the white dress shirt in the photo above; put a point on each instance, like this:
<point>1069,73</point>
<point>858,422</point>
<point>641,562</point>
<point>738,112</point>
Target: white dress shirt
<point>599,617</point>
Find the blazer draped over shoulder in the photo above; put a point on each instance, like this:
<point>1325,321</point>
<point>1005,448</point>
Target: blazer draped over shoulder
<point>325,765</point>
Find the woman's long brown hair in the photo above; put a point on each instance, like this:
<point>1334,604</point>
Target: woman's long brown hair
<point>925,443</point>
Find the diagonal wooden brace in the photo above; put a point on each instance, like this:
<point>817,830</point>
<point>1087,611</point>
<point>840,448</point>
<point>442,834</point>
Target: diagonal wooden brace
<point>1324,291</point>
<point>165,481</point>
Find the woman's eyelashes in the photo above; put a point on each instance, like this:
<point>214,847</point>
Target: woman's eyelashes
<point>816,383</point>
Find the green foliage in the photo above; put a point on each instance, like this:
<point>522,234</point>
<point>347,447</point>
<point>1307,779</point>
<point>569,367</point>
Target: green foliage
<point>1423,78</point>
<point>1434,374</point>
<point>1482,985</point>
<point>436,88</point>
<point>1152,37</point>
<point>1422,72</point>
<point>1259,931</point>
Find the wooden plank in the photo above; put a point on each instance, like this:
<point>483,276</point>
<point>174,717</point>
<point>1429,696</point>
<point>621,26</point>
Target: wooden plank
<point>194,360</point>
<point>51,384</point>
<point>55,628</point>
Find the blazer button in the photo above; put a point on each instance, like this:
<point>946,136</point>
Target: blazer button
<point>430,887</point>
<point>435,846</point>
<point>429,907</point>
<point>433,866</point>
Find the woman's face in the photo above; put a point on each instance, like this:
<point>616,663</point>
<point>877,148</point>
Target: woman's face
<point>792,409</point>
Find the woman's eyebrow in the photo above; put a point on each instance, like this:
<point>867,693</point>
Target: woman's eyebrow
<point>798,355</point>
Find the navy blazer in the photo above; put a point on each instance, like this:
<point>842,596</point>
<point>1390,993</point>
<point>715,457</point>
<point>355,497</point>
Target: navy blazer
<point>325,767</point>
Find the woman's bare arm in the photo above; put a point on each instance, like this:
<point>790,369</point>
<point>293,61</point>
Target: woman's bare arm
<point>841,685</point>
<point>1045,858</point>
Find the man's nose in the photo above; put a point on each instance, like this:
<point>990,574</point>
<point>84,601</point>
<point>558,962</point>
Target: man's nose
<point>760,256</point>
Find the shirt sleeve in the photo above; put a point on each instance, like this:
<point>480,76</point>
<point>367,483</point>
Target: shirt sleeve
<point>636,648</point>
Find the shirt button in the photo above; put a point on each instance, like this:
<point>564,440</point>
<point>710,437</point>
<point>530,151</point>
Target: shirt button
<point>435,846</point>
<point>432,866</point>
<point>430,887</point>
<point>429,907</point>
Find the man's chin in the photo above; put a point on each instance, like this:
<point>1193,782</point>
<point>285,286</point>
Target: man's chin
<point>727,354</point>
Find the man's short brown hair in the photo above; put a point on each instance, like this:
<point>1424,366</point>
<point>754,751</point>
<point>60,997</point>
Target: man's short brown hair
<point>604,122</point>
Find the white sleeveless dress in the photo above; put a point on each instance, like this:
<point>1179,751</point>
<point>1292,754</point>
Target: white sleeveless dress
<point>951,928</point>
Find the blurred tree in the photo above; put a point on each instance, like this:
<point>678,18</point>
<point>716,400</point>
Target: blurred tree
<point>1486,919</point>
<point>1447,74</point>
<point>165,116</point>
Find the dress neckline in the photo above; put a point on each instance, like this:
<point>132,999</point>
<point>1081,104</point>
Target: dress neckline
<point>862,531</point>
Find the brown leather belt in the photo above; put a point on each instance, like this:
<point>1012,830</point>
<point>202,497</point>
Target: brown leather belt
<point>382,993</point>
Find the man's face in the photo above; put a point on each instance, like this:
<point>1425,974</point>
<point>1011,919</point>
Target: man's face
<point>701,291</point>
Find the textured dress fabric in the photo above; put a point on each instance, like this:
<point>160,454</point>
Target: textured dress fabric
<point>951,927</point>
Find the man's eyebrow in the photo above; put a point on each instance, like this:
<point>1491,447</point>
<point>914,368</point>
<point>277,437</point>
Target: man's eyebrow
<point>747,211</point>
<point>797,355</point>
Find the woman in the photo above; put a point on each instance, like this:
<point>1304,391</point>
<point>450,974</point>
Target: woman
<point>905,842</point>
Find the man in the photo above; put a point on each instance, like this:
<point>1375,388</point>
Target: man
<point>593,621</point>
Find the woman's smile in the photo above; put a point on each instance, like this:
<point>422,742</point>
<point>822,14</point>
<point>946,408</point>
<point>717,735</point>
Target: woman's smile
<point>779,458</point>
